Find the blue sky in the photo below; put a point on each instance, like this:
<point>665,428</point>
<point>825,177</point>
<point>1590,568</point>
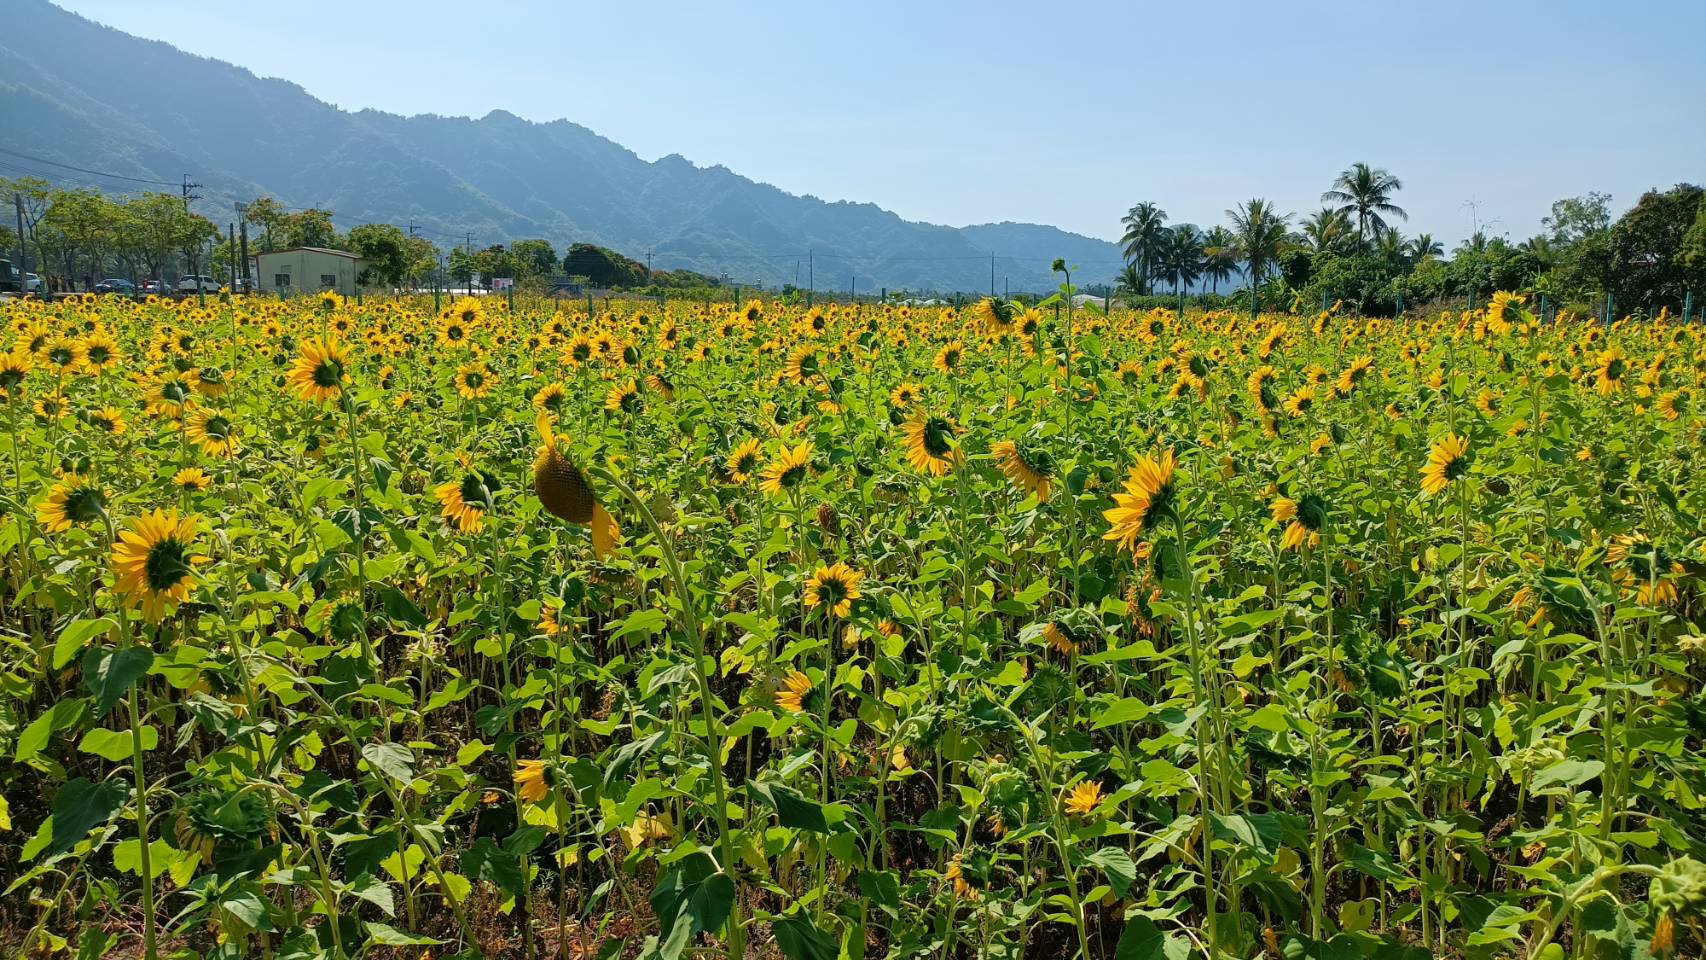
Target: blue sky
<point>962,113</point>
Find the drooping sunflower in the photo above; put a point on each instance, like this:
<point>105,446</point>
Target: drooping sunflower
<point>969,872</point>
<point>153,562</point>
<point>170,395</point>
<point>1303,518</point>
<point>563,491</point>
<point>1673,405</point>
<point>1029,467</point>
<point>474,380</point>
<point>790,468</point>
<point>73,500</point>
<point>51,406</point>
<point>624,398</point>
<point>530,780</point>
<point>213,431</point>
<point>462,503</point>
<point>1261,387</point>
<point>835,587</point>
<point>1448,459</point>
<point>661,385</point>
<point>742,461</point>
<point>930,444</point>
<point>794,691</point>
<point>1146,500</point>
<point>318,373</point>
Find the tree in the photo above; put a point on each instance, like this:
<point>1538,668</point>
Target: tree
<point>1259,239</point>
<point>310,228</point>
<point>269,215</point>
<point>1220,256</point>
<point>83,219</point>
<point>1327,229</point>
<point>1574,219</point>
<point>385,248</point>
<point>1129,283</point>
<point>533,258</point>
<point>1423,247</point>
<point>601,267</point>
<point>163,227</point>
<point>1646,246</point>
<point>1181,258</point>
<point>1366,192</point>
<point>1144,235</point>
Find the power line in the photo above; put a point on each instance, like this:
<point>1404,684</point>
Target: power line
<point>98,173</point>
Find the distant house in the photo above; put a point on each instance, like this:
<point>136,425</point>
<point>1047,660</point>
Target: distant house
<point>307,270</point>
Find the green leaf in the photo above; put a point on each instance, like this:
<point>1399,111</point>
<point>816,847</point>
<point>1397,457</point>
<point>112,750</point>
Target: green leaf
<point>882,887</point>
<point>116,745</point>
<point>390,758</point>
<point>35,737</point>
<point>1124,710</point>
<point>386,935</point>
<point>81,806</point>
<point>799,939</point>
<point>110,673</point>
<point>1117,865</point>
<point>695,896</point>
<point>75,637</point>
<point>1143,940</point>
<point>401,608</point>
<point>792,809</point>
<point>1569,773</point>
<point>485,860</point>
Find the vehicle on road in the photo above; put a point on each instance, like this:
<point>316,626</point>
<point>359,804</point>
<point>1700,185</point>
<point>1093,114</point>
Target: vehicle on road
<point>116,285</point>
<point>155,287</point>
<point>197,284</point>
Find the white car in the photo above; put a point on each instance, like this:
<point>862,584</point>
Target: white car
<point>33,284</point>
<point>193,284</point>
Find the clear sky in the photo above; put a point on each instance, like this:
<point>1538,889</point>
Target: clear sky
<point>959,113</point>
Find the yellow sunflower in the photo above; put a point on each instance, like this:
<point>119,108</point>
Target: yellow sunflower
<point>795,689</point>
<point>192,479</point>
<point>624,398</point>
<point>1084,798</point>
<point>318,372</point>
<point>1029,468</point>
<point>462,503</point>
<point>474,380</point>
<point>742,461</point>
<point>790,468</point>
<point>563,491</point>
<point>14,367</point>
<point>930,444</point>
<point>1147,498</point>
<point>1447,460</point>
<point>153,562</point>
<point>904,395</point>
<point>835,587</point>
<point>73,500</point>
<point>530,780</point>
<point>213,431</point>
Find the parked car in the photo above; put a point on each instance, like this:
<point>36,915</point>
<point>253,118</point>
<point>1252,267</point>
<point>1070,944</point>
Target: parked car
<point>33,284</point>
<point>242,285</point>
<point>116,285</point>
<point>195,284</point>
<point>155,287</point>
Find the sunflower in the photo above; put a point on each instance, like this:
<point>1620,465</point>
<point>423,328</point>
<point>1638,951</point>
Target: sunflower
<point>624,398</point>
<point>790,468</point>
<point>14,367</point>
<point>474,380</point>
<point>995,315</point>
<point>153,564</point>
<point>458,323</point>
<point>318,371</point>
<point>795,689</point>
<point>802,364</point>
<point>210,382</point>
<point>835,587</point>
<point>530,780</point>
<point>100,352</point>
<point>1672,405</point>
<point>1084,798</point>
<point>661,385</point>
<point>930,444</point>
<point>51,406</point>
<point>170,395</point>
<point>1608,376</point>
<point>72,500</point>
<point>1148,497</point>
<point>1028,467</point>
<point>1352,376</point>
<point>108,419</point>
<point>463,502</point>
<point>563,491</point>
<point>192,480</point>
<point>212,431</point>
<point>1261,386</point>
<point>742,461</point>
<point>949,356</point>
<point>549,398</point>
<point>965,874</point>
<point>1304,519</point>
<point>904,395</point>
<point>1447,460</point>
<point>1300,401</point>
<point>579,350</point>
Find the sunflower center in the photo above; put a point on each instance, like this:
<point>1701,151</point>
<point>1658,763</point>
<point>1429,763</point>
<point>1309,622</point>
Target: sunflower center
<point>328,374</point>
<point>167,565</point>
<point>937,433</point>
<point>83,505</point>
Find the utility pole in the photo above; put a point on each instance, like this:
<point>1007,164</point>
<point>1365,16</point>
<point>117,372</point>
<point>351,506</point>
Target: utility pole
<point>231,251</point>
<point>992,276</point>
<point>243,242</point>
<point>648,264</point>
<point>23,265</point>
<point>811,277</point>
<point>195,249</point>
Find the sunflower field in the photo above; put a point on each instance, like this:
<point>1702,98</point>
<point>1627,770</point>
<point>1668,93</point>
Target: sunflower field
<point>367,629</point>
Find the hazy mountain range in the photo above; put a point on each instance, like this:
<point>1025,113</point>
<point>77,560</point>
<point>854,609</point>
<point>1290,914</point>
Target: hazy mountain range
<point>89,96</point>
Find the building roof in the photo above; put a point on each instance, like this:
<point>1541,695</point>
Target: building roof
<point>325,250</point>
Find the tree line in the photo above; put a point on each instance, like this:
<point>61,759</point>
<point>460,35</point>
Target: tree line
<point>1351,250</point>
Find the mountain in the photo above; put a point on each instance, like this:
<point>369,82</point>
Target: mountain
<point>82,95</point>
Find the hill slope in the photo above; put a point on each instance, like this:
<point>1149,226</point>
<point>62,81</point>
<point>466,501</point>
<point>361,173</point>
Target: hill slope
<point>79,93</point>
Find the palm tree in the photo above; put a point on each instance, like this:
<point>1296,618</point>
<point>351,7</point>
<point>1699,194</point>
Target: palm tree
<point>1390,247</point>
<point>1423,247</point>
<point>1259,239</point>
<point>1367,192</point>
<point>1181,260</point>
<point>1220,258</point>
<point>1326,229</point>
<point>1144,234</point>
<point>1129,283</point>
